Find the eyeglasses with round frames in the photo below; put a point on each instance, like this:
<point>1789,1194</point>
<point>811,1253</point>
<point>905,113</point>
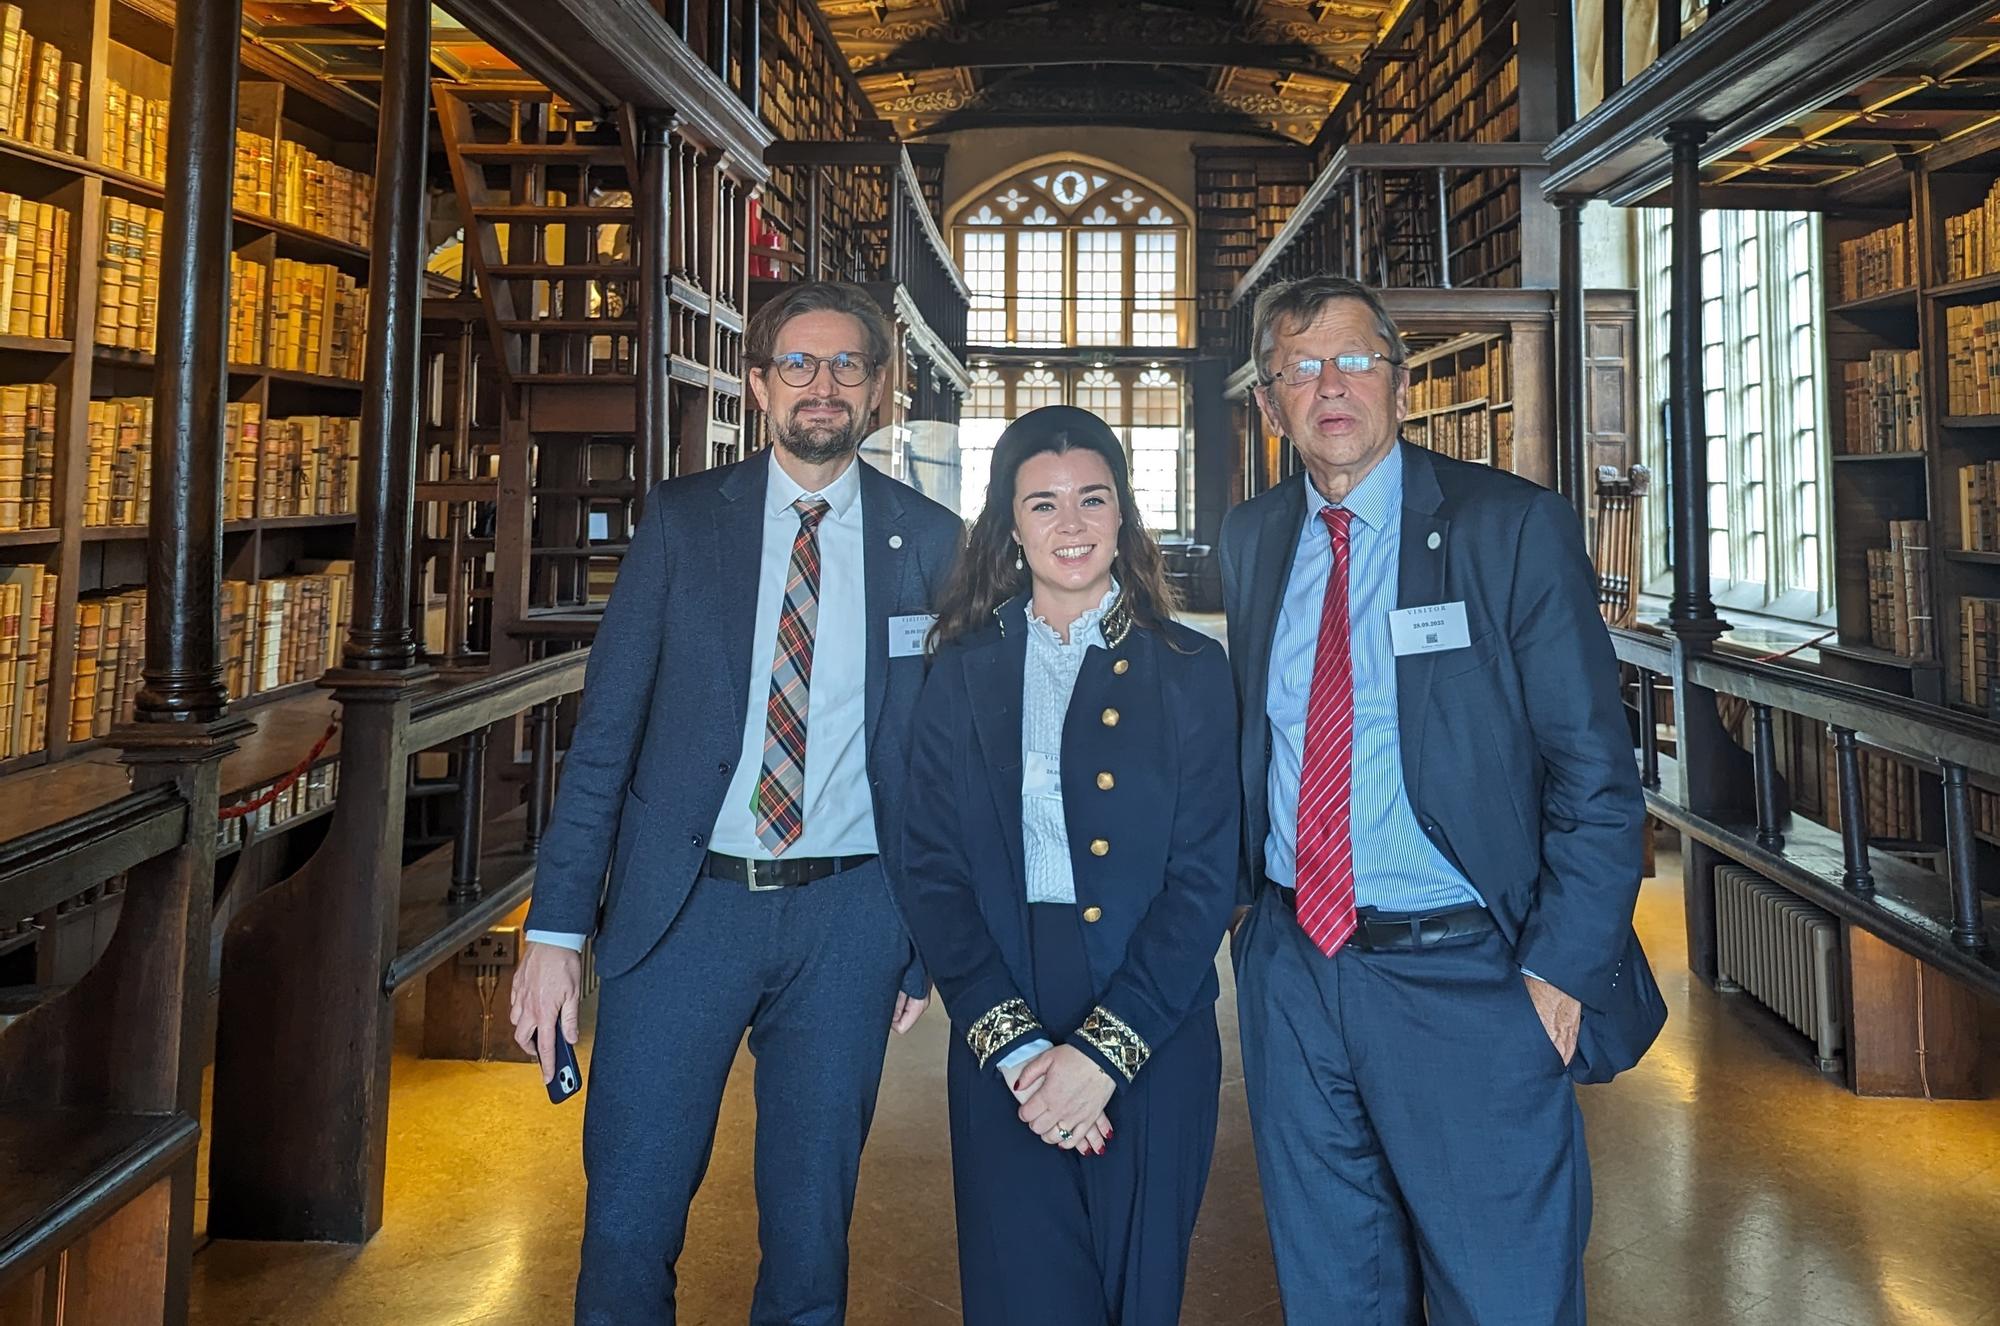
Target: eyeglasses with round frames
<point>798,369</point>
<point>1299,373</point>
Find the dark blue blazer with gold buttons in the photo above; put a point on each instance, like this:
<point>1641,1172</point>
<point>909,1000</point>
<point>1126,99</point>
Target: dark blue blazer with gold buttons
<point>1151,803</point>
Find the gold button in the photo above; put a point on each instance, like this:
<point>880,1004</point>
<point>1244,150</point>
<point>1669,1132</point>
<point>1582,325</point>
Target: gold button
<point>1098,847</point>
<point>1122,666</point>
<point>1111,718</point>
<point>1093,914</point>
<point>1105,782</point>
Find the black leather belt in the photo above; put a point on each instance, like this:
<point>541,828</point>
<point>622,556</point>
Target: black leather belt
<point>1380,932</point>
<point>763,876</point>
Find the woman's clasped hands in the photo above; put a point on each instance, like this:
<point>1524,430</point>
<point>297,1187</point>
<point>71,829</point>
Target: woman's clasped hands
<point>1063,1095</point>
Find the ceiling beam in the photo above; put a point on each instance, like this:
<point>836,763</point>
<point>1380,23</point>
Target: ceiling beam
<point>1098,36</point>
<point>922,56</point>
<point>1164,103</point>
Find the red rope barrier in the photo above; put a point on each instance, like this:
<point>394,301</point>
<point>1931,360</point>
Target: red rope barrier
<point>277,789</point>
<point>1821,638</point>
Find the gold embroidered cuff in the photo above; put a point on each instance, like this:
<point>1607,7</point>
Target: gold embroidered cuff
<point>1114,1040</point>
<point>999,1026</point>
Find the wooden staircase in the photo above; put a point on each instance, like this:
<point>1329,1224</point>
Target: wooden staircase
<point>551,242</point>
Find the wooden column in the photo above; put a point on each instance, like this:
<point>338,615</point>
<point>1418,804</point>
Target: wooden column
<point>753,47</point>
<point>303,1002</point>
<point>1565,57</point>
<point>183,671</point>
<point>1572,448</point>
<point>1534,406</point>
<point>381,637</point>
<point>1692,611</point>
<point>649,461</point>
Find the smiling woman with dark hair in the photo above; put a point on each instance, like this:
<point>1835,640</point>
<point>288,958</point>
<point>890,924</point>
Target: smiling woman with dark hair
<point>1070,874</point>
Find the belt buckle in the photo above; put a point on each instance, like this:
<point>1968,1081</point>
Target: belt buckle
<point>756,867</point>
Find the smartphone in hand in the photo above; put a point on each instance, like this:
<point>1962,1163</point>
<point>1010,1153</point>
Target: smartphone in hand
<point>569,1078</point>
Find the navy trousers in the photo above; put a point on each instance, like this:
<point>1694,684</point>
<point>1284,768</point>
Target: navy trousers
<point>1417,1135</point>
<point>1048,1237</point>
<point>812,973</point>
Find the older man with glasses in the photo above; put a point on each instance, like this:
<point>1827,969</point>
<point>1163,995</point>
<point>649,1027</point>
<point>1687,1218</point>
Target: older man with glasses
<point>1441,817</point>
<point>739,766</point>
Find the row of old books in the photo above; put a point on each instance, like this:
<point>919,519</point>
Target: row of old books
<point>40,91</point>
<point>256,180</point>
<point>275,632</point>
<point>1477,375</point>
<point>300,316</point>
<point>289,182</point>
<point>286,629</point>
<point>1877,263</point>
<point>1972,239</point>
<point>1889,792</point>
<point>310,466</point>
<point>1899,591</point>
<point>1882,404</point>
<point>1979,506</point>
<point>135,132</point>
<point>317,195</point>
<point>249,297</point>
<point>27,648</point>
<point>318,320</point>
<point>242,436</point>
<point>128,275</point>
<point>1986,813</point>
<point>1978,649</point>
<point>305,465</point>
<point>1972,366</point>
<point>110,657</point>
<point>1460,434</point>
<point>34,266</point>
<point>29,430</point>
<point>118,482</point>
<point>312,790</point>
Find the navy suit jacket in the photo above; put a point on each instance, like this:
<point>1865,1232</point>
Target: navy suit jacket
<point>1155,904</point>
<point>1517,757</point>
<point>666,692</point>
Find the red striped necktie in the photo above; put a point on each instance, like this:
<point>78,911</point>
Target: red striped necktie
<point>1325,856</point>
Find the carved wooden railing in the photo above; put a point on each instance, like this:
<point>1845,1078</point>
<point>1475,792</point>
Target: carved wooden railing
<point>1938,916</point>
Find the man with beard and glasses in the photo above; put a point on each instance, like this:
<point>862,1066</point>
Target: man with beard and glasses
<point>738,767</point>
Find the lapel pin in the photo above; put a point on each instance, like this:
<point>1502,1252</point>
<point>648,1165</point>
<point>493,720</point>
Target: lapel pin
<point>896,540</point>
<point>1433,541</point>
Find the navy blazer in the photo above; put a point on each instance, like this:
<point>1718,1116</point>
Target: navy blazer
<point>666,692</point>
<point>1516,753</point>
<point>1150,801</point>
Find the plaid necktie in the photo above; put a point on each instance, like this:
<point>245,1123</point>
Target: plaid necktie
<point>1325,879</point>
<point>780,805</point>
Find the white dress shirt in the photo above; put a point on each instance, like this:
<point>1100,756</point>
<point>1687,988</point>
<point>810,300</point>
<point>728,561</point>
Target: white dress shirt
<point>839,805</point>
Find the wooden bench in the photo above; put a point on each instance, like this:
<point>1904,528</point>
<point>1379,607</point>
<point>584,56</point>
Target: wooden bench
<point>100,1081</point>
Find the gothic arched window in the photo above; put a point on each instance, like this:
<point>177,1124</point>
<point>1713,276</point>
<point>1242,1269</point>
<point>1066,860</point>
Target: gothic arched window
<point>1073,253</point>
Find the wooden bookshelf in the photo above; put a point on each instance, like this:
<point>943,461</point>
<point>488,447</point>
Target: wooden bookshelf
<point>1462,399</point>
<point>1243,198</point>
<point>1912,264</point>
<point>74,538</point>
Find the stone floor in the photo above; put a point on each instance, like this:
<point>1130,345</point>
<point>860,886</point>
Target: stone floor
<point>1733,1185</point>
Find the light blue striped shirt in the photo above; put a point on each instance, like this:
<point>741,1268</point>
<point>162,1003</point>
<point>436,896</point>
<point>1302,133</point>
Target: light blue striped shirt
<point>1396,867</point>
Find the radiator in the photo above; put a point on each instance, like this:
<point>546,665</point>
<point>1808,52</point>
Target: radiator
<point>1784,951</point>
